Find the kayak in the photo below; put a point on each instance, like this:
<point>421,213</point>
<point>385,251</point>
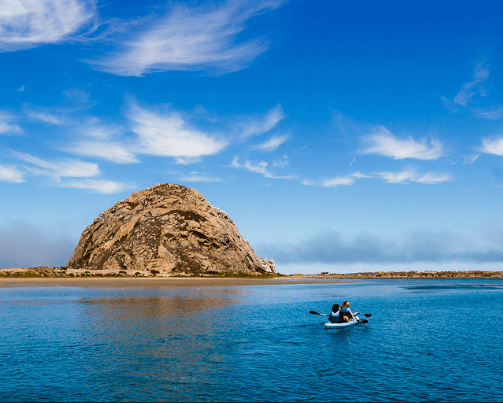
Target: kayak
<point>355,321</point>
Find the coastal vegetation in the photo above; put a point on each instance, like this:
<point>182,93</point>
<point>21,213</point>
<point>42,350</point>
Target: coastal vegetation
<point>52,272</point>
<point>413,274</point>
<point>63,272</point>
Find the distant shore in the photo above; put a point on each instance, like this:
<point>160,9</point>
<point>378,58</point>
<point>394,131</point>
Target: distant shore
<point>415,274</point>
<point>56,274</point>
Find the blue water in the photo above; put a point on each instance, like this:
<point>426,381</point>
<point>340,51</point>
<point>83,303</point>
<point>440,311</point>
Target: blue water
<point>439,340</point>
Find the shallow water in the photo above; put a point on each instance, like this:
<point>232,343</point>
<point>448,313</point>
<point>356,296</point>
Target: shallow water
<point>439,340</point>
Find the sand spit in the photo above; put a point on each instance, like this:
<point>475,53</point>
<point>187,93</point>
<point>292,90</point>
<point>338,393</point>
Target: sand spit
<point>412,274</point>
<point>122,282</point>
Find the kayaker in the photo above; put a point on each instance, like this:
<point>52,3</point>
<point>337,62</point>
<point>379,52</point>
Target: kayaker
<point>334,315</point>
<point>345,314</point>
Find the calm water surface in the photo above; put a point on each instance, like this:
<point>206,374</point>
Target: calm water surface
<point>439,340</point>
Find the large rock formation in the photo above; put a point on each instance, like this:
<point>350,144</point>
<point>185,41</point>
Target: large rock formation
<point>169,228</point>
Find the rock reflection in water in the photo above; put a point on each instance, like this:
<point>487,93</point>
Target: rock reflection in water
<point>169,338</point>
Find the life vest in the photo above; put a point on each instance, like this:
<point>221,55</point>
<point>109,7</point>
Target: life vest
<point>333,317</point>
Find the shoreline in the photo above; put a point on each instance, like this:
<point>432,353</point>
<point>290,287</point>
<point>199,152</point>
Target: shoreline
<point>154,281</point>
<point>48,275</point>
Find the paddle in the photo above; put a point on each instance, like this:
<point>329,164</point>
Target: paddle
<point>368,315</point>
<point>316,313</point>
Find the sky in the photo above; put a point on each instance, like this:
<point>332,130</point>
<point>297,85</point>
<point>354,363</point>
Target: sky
<point>338,136</point>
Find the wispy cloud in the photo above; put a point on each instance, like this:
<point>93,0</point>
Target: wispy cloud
<point>272,144</point>
<point>492,113</point>
<point>25,24</point>
<point>169,135</point>
<point>260,167</point>
<point>198,38</point>
<point>59,171</point>
<point>343,180</point>
<point>492,146</point>
<point>257,125</point>
<point>199,177</point>
<point>409,174</point>
<point>383,142</point>
<point>474,87</point>
<point>96,139</point>
<point>10,173</point>
<point>67,168</point>
<point>8,124</point>
<point>331,247</point>
<point>44,117</point>
<point>97,185</point>
<point>470,159</point>
<point>344,124</point>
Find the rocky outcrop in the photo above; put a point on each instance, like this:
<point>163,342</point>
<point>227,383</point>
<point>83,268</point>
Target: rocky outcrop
<point>169,228</point>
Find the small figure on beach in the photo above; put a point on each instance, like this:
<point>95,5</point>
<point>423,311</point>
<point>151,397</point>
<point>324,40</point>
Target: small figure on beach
<point>334,315</point>
<point>345,314</point>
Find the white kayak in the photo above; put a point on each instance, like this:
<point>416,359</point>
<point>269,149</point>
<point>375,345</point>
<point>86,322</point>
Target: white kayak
<point>355,321</point>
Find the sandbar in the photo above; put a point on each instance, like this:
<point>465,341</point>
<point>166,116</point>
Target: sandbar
<point>121,282</point>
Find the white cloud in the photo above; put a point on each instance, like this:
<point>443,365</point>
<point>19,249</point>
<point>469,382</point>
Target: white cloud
<point>25,24</point>
<point>102,141</point>
<point>272,144</point>
<point>99,186</point>
<point>492,146</point>
<point>308,182</point>
<point>470,159</point>
<point>21,89</point>
<point>199,38</point>
<point>108,150</point>
<point>474,87</point>
<point>343,123</point>
<point>410,175</point>
<point>170,136</point>
<point>260,125</point>
<point>8,125</point>
<point>494,113</point>
<point>383,142</point>
<point>68,168</point>
<point>197,177</point>
<point>343,180</point>
<point>9,173</point>
<point>448,104</point>
<point>338,181</point>
<point>281,162</point>
<point>77,96</point>
<point>260,168</point>
<point>44,117</point>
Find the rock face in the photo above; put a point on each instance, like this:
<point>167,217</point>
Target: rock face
<point>169,228</point>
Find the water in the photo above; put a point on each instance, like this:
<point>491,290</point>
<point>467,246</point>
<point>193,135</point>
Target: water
<point>427,340</point>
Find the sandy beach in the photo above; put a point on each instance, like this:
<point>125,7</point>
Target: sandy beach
<point>154,281</point>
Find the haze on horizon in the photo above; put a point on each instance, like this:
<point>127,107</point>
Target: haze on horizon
<point>338,136</point>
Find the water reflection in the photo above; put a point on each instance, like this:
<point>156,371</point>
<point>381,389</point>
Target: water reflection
<point>168,338</point>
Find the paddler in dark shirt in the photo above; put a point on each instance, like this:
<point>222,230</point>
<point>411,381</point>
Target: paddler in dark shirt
<point>345,314</point>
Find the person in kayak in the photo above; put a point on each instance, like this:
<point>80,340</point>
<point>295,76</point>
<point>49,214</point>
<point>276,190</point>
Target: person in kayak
<point>334,315</point>
<point>345,314</point>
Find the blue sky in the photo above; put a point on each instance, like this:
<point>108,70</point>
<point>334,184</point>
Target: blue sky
<point>356,136</point>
